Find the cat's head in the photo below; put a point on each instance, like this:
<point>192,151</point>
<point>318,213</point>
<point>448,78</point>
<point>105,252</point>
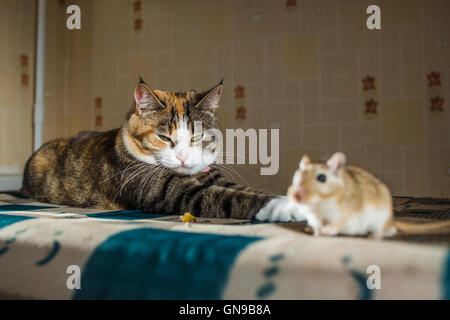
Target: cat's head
<point>172,128</point>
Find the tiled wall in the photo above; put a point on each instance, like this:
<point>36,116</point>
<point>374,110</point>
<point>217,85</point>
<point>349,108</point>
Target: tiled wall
<point>17,38</point>
<point>310,68</point>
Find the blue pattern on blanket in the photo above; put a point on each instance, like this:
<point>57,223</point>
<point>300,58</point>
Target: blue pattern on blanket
<point>446,278</point>
<point>21,207</point>
<point>126,215</point>
<point>159,264</point>
<point>6,219</point>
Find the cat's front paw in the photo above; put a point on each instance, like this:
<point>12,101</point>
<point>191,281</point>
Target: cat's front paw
<point>284,210</point>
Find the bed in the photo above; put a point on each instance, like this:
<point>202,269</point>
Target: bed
<point>59,252</point>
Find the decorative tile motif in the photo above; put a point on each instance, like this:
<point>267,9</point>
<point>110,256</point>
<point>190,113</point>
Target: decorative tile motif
<point>239,92</point>
<point>137,6</point>
<point>434,79</point>
<point>241,110</point>
<point>138,24</point>
<point>137,10</point>
<point>24,60</point>
<point>240,113</point>
<point>371,106</point>
<point>291,3</point>
<point>98,104</point>
<point>368,83</point>
<point>25,78</point>
<point>436,93</point>
<point>437,104</point>
<point>370,97</point>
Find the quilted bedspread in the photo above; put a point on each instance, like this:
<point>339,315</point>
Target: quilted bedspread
<point>60,252</point>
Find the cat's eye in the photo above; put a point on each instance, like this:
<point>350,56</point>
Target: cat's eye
<point>164,138</point>
<point>322,178</point>
<point>197,138</point>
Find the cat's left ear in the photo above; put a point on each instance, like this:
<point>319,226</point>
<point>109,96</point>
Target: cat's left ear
<point>211,100</point>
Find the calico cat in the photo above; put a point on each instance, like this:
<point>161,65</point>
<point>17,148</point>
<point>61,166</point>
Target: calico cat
<point>154,162</point>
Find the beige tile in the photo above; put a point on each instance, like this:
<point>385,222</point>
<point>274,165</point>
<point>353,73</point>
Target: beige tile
<point>8,85</point>
<point>201,78</point>
<point>437,133</point>
<point>397,11</point>
<point>328,42</point>
<point>354,34</point>
<point>216,22</point>
<point>318,15</point>
<point>411,48</point>
<point>394,182</point>
<point>437,44</point>
<point>273,48</point>
<point>248,61</point>
<point>391,81</point>
<point>300,57</point>
<point>339,79</point>
<point>438,164</point>
<point>340,111</point>
<point>393,159</point>
<point>310,102</point>
<point>361,143</point>
<point>437,9</point>
<point>254,94</point>
<point>403,122</point>
<point>390,37</point>
<point>286,118</point>
<point>292,91</point>
<point>274,81</point>
<point>291,23</point>
<point>415,172</point>
<point>413,85</point>
<point>321,135</point>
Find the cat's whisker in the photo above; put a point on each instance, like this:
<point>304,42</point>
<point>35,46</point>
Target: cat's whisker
<point>155,172</point>
<point>122,171</point>
<point>132,176</point>
<point>231,170</point>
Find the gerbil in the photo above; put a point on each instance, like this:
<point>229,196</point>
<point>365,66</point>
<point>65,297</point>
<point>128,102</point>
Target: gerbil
<point>348,200</point>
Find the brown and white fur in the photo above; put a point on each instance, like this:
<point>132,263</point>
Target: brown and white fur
<point>347,200</point>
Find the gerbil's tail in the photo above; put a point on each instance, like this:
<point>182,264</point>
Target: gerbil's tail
<point>421,227</point>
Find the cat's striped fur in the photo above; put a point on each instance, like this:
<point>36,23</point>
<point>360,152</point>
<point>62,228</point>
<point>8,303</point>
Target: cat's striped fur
<point>154,163</point>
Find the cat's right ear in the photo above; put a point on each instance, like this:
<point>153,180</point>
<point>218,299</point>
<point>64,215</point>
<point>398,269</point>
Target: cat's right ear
<point>146,101</point>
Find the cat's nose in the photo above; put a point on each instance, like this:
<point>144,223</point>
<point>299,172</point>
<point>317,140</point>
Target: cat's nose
<point>182,158</point>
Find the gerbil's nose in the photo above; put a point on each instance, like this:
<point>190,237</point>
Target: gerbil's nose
<point>299,194</point>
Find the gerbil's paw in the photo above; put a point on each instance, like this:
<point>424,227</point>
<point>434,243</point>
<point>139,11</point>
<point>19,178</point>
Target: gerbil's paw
<point>328,231</point>
<point>282,209</point>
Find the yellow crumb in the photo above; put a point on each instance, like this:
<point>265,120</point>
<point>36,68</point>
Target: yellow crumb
<point>187,217</point>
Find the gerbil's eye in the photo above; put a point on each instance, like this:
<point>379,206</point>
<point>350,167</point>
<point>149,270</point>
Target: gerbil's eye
<point>322,178</point>
<point>164,138</point>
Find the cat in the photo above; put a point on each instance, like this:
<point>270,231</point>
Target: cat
<point>153,163</point>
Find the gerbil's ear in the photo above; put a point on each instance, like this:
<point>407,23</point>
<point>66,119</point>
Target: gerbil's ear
<point>211,98</point>
<point>146,101</point>
<point>304,162</point>
<point>336,161</point>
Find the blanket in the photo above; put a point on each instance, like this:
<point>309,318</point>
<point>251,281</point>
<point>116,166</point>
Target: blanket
<point>58,252</point>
